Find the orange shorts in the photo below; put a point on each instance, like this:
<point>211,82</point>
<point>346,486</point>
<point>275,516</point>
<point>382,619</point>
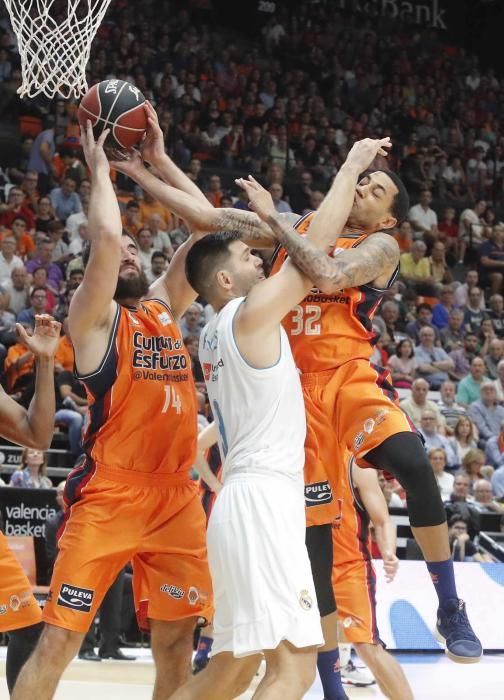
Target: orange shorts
<point>18,607</point>
<point>354,586</point>
<point>351,407</point>
<point>156,521</point>
<point>320,504</point>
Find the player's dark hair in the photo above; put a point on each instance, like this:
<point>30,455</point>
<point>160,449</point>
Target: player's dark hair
<point>204,259</point>
<point>86,248</point>
<point>401,202</point>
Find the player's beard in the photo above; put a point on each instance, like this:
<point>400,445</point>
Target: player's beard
<point>131,287</point>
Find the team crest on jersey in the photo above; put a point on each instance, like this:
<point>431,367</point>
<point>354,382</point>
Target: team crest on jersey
<point>369,426</point>
<point>3,610</point>
<point>164,318</point>
<point>15,603</point>
<point>305,600</point>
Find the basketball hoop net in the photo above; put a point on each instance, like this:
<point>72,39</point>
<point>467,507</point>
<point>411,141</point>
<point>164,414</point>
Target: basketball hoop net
<point>54,48</point>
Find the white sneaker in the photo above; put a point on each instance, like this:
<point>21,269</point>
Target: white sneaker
<point>358,677</point>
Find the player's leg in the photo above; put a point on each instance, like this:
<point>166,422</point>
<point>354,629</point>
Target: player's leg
<point>388,673</point>
<point>224,678</point>
<point>428,524</point>
<point>203,649</point>
<point>21,644</point>
<point>319,544</point>
<point>290,672</point>
<point>40,676</point>
<point>171,644</point>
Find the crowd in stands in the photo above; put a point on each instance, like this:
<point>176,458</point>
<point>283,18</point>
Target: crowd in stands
<point>287,105</point>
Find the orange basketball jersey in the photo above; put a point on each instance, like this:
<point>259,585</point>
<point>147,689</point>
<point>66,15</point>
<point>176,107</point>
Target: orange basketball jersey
<point>142,399</point>
<point>327,330</point>
<point>351,532</point>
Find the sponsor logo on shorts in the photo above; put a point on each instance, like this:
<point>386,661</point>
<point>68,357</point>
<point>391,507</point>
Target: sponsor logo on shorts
<point>317,494</point>
<point>173,591</point>
<point>15,603</point>
<point>75,598</point>
<point>195,595</point>
<point>305,600</point>
<point>348,622</point>
<point>359,439</point>
<point>3,609</point>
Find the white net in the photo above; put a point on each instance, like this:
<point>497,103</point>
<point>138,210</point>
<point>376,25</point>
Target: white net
<point>54,39</point>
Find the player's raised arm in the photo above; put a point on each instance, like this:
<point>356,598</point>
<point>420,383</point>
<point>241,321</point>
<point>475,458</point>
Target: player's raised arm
<point>34,427</point>
<point>92,308</point>
<point>366,480</point>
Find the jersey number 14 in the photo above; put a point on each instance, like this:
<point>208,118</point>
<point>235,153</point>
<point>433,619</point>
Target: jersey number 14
<point>172,399</point>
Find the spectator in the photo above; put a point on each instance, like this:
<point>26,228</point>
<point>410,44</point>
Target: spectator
<point>452,335</point>
<point>423,319</point>
<point>498,482</point>
<point>499,382</point>
<point>61,253</point>
<point>16,207</point>
<point>159,262</point>
<point>393,499</point>
<point>473,465</point>
<point>17,291</point>
<point>38,301</point>
<point>450,410</point>
<point>131,218</point>
<point>433,363</point>
<point>24,242</point>
<point>150,206</point>
<point>423,219</point>
<point>32,473</point>
<point>64,357</point>
<point>41,158</point>
<point>43,258</point>
<point>439,270</point>
<point>276,192</point>
<point>432,438</point>
<point>75,221</point>
<point>415,405</point>
<point>8,259</point>
<point>469,387</point>
<point>491,260</point>
<point>493,357</point>
<point>65,200</point>
<point>463,357</point>
<point>415,269</point>
<point>214,192</point>
<point>145,250</point>
<point>192,321</point>
<point>484,500</point>
<point>192,345</point>
<point>464,438</point>
<point>461,545</point>
<point>494,449</point>
<point>53,524</point>
<point>71,408</point>
<point>404,236</point>
<point>437,458</point>
<point>45,214</point>
<point>441,311</point>
<point>486,413</point>
<point>402,366</point>
<point>461,296</point>
<point>300,193</point>
<point>160,239</point>
<point>77,243</point>
<point>474,315</point>
<point>496,314</point>
<point>448,231</point>
<point>471,228</point>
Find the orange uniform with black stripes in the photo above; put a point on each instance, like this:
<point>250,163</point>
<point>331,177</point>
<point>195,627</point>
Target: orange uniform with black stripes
<point>350,402</point>
<point>353,576</point>
<point>131,498</point>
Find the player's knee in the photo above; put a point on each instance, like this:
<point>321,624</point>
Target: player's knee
<point>57,646</point>
<point>306,672</point>
<point>369,653</point>
<point>173,641</point>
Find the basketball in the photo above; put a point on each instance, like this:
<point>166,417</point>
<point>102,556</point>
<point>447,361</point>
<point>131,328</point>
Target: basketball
<point>116,105</point>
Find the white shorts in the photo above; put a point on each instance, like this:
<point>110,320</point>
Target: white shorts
<point>261,575</point>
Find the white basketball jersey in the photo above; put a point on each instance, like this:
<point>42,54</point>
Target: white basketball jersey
<point>260,413</point>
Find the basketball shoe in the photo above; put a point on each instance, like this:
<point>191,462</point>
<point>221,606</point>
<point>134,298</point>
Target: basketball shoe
<point>454,630</point>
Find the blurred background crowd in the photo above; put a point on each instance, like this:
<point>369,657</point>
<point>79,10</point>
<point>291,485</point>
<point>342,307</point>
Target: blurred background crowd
<point>285,101</point>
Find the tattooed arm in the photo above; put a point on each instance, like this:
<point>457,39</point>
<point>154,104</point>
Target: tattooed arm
<point>373,261</point>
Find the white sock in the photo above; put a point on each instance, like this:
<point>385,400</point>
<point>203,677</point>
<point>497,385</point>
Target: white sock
<point>345,653</point>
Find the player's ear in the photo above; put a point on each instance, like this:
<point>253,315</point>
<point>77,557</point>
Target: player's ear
<point>224,279</point>
<point>387,223</point>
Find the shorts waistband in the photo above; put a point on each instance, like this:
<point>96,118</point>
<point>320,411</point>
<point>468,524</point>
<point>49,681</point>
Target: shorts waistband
<point>313,379</point>
<point>144,479</point>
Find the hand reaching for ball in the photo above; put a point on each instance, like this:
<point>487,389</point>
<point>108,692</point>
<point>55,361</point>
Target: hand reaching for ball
<point>93,150</point>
